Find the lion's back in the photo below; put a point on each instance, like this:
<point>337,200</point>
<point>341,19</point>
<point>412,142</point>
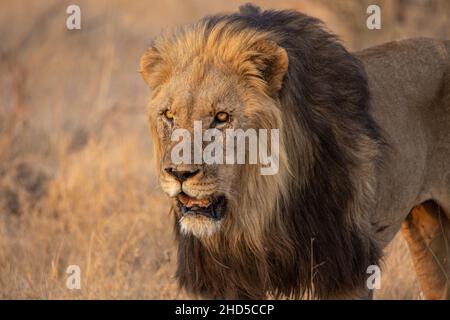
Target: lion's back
<point>409,82</point>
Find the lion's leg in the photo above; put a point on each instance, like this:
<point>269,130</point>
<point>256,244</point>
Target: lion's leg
<point>427,232</point>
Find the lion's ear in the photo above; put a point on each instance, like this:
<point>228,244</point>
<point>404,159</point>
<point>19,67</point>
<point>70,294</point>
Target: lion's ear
<point>272,62</point>
<point>153,68</point>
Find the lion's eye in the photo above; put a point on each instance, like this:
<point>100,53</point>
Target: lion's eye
<point>222,117</point>
<point>168,114</point>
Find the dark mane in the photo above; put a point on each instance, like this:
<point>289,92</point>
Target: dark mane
<point>335,151</point>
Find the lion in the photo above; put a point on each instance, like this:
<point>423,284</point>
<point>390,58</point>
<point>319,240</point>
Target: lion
<point>364,152</point>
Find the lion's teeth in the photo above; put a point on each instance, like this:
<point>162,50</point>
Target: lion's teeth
<point>201,203</point>
<point>189,202</point>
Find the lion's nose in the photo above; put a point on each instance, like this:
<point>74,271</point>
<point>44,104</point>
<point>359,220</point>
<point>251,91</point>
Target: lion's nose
<point>182,175</point>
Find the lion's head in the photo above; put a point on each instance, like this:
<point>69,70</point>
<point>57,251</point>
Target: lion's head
<point>243,234</point>
<point>231,79</point>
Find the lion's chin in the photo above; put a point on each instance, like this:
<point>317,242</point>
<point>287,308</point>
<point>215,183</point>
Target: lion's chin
<point>199,226</point>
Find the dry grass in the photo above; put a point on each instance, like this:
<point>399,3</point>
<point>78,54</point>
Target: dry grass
<point>76,179</point>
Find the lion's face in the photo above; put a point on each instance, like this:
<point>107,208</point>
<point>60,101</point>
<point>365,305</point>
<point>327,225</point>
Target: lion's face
<point>189,87</point>
<point>200,192</point>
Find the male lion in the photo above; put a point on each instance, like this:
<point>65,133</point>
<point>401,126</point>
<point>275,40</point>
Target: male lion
<point>364,151</point>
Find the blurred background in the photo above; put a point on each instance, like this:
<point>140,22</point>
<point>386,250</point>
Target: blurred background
<point>77,186</point>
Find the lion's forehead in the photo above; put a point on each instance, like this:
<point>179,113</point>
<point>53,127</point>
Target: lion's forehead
<point>192,99</point>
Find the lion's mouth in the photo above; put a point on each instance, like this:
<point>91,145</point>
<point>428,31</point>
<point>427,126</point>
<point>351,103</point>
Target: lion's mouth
<point>212,207</point>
